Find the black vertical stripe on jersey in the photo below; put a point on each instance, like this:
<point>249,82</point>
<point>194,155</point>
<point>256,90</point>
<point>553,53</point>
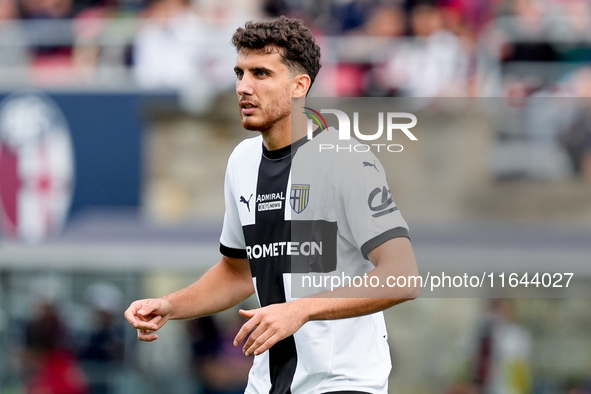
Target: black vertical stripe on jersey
<point>271,226</point>
<point>315,231</point>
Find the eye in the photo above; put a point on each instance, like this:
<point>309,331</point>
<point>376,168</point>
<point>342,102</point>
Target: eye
<point>239,74</point>
<point>261,73</point>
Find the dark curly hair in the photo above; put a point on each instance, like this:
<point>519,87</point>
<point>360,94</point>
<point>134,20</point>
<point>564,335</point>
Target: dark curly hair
<point>295,42</point>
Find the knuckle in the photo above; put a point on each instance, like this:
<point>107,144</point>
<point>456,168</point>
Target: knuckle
<point>244,330</point>
<point>272,341</point>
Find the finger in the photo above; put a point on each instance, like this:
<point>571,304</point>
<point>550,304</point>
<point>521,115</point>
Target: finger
<point>146,337</point>
<point>253,336</point>
<point>155,321</point>
<point>253,345</point>
<point>266,345</point>
<point>143,323</point>
<point>130,313</point>
<point>146,325</point>
<point>245,313</point>
<point>246,329</point>
<point>147,308</point>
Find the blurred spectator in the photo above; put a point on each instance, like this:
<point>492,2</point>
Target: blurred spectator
<point>169,47</point>
<point>501,356</point>
<point>102,352</point>
<point>221,367</point>
<point>529,124</point>
<point>576,46</point>
<point>521,43</point>
<point>48,28</point>
<point>576,139</point>
<point>472,15</point>
<point>528,36</point>
<point>51,368</point>
<point>454,16</point>
<point>111,21</point>
<point>13,50</point>
<point>305,10</point>
<point>275,8</point>
<point>385,25</point>
<point>385,21</point>
<point>8,11</point>
<point>433,64</point>
<point>353,14</point>
<point>362,47</point>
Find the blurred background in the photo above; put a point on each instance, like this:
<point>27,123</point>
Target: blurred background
<point>116,121</point>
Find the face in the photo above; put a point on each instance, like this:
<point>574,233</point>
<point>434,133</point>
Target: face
<point>264,87</point>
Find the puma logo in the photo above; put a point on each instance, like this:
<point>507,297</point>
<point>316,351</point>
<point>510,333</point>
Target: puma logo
<point>368,164</point>
<point>247,202</point>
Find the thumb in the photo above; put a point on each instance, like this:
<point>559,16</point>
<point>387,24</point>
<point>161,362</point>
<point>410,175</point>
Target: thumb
<point>245,313</point>
<point>145,310</point>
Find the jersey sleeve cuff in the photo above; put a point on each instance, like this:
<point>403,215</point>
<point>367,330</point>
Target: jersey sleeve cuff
<point>383,237</point>
<point>232,253</point>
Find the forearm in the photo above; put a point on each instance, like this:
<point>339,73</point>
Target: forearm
<point>348,302</point>
<point>352,302</point>
<point>220,288</point>
<point>343,308</point>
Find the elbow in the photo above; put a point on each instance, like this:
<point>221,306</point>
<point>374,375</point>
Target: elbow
<point>412,290</point>
<point>413,293</point>
<point>403,294</point>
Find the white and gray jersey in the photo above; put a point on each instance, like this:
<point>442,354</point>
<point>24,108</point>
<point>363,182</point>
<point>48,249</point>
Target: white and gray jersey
<point>295,212</point>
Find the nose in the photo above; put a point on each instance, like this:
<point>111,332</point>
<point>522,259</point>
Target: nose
<point>244,86</point>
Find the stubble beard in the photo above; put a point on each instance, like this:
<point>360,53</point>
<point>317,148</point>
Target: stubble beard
<point>267,119</point>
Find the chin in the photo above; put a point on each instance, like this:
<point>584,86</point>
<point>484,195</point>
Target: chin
<point>248,124</point>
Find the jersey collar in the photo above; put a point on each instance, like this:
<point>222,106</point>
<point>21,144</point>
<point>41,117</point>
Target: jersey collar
<point>286,151</point>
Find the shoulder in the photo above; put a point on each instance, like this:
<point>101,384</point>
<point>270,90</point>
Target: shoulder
<point>345,155</point>
<point>248,150</point>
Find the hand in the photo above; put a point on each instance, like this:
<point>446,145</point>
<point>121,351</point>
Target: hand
<point>271,324</point>
<point>147,316</point>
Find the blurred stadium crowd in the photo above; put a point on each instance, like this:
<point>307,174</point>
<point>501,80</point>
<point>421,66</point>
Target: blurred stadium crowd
<point>375,48</point>
<point>420,48</point>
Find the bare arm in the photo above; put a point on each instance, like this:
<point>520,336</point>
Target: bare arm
<point>276,322</point>
<point>226,284</point>
<point>393,258</point>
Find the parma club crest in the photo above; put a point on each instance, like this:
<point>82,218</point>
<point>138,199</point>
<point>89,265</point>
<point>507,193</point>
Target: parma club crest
<point>36,167</point>
<point>300,194</point>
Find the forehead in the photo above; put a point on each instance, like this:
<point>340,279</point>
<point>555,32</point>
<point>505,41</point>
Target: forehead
<point>268,57</point>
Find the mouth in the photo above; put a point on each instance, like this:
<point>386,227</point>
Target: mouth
<point>247,107</point>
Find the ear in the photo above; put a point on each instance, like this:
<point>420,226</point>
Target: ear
<point>300,85</point>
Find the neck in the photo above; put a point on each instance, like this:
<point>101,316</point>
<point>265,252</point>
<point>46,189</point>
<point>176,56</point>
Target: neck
<point>283,134</point>
<point>279,136</point>
<point>276,138</point>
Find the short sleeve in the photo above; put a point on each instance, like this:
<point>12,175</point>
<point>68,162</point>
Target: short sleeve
<point>372,216</point>
<point>232,242</point>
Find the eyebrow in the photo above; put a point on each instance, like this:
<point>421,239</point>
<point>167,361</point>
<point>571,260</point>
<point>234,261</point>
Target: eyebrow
<point>254,69</point>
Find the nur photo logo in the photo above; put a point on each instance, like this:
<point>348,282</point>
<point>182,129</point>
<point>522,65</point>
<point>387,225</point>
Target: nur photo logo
<point>389,124</point>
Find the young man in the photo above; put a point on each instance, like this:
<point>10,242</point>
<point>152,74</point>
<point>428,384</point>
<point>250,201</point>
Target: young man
<point>331,342</point>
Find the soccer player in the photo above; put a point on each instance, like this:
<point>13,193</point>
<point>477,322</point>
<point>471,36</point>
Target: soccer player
<point>333,215</point>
